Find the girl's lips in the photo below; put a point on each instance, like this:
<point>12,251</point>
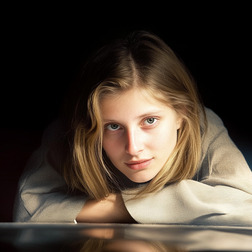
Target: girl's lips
<point>139,164</point>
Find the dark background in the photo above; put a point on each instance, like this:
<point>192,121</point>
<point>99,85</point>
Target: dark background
<point>43,47</point>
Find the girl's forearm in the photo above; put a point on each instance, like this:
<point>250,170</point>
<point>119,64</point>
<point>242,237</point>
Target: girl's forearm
<point>108,210</point>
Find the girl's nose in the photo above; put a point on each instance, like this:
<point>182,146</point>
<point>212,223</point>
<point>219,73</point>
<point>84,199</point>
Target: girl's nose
<point>134,142</point>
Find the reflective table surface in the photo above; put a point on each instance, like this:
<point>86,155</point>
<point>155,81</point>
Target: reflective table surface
<point>122,237</point>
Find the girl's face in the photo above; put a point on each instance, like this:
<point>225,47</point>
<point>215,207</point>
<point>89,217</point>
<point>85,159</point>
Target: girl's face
<point>140,133</point>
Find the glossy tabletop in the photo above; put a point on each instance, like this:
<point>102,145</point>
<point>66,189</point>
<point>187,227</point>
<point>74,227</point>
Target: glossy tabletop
<point>123,237</point>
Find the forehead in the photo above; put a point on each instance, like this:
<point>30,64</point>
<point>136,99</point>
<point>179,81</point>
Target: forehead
<point>130,103</point>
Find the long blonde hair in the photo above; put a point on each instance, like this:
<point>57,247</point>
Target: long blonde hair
<point>142,59</point>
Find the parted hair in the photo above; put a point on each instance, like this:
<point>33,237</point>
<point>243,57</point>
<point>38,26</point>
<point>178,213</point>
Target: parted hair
<point>143,60</point>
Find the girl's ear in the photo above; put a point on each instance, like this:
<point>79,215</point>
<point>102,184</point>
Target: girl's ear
<point>179,121</point>
<point>181,115</point>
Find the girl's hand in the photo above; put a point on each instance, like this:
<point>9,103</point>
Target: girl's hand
<point>108,210</point>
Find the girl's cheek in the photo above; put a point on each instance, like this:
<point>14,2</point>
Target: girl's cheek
<point>111,145</point>
<point>165,138</point>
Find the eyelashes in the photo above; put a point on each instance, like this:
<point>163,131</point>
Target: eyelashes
<point>112,127</point>
<point>148,122</point>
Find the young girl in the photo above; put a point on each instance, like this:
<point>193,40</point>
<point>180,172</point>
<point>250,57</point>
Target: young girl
<point>135,144</point>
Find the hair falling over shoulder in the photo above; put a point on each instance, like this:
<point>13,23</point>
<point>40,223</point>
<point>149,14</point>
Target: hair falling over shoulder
<point>144,60</point>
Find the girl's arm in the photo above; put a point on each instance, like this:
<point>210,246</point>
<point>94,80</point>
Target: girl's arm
<point>109,210</point>
<point>220,193</point>
<point>42,194</point>
<point>44,197</point>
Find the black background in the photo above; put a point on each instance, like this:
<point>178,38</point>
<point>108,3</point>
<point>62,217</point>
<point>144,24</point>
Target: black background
<point>43,47</point>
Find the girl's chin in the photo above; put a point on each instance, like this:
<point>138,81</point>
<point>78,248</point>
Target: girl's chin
<point>140,180</point>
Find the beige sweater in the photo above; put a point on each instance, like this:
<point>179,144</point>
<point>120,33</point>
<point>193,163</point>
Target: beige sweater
<point>220,193</point>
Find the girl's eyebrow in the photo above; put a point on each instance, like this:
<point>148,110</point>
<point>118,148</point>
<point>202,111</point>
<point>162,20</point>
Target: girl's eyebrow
<point>150,113</point>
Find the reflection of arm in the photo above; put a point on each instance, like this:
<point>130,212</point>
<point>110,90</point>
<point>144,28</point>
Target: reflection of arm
<point>42,194</point>
<point>221,193</point>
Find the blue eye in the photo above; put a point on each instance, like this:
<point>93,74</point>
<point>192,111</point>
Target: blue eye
<point>113,127</point>
<point>150,121</point>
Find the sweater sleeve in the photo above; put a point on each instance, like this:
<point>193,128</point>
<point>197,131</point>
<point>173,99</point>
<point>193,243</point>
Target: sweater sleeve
<point>42,192</point>
<point>220,193</point>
